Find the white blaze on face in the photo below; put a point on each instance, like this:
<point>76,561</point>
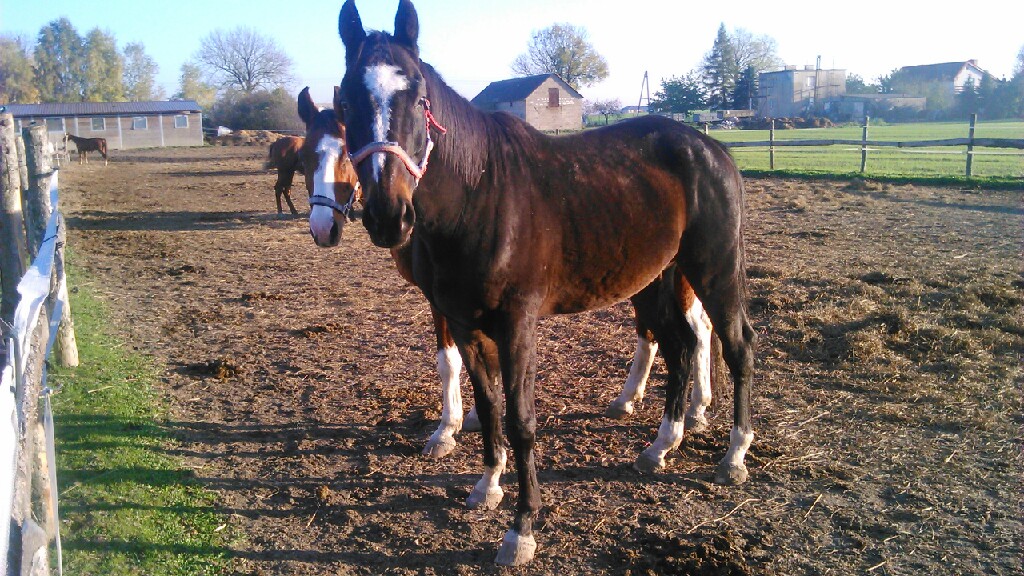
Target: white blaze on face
<point>383,81</point>
<point>321,218</point>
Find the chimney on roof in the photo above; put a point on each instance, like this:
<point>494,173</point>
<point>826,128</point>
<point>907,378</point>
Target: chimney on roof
<point>973,62</point>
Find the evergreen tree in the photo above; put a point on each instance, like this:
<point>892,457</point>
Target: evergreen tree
<point>17,77</point>
<point>745,94</point>
<point>720,70</point>
<point>103,67</point>
<point>58,58</point>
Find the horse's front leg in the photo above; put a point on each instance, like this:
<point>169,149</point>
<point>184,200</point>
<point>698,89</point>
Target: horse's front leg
<point>449,367</point>
<point>481,356</point>
<point>518,348</point>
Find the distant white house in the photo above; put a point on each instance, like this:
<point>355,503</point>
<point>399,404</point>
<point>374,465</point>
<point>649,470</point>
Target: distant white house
<point>952,76</point>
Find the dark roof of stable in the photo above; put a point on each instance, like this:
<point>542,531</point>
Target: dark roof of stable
<point>515,89</point>
<point>942,71</point>
<point>102,108</point>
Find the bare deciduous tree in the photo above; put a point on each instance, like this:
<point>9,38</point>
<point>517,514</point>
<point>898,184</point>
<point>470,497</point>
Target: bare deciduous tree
<point>243,59</point>
<point>562,49</point>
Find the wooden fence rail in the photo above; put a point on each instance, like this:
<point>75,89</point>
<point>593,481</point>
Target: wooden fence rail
<point>28,506</point>
<point>970,142</point>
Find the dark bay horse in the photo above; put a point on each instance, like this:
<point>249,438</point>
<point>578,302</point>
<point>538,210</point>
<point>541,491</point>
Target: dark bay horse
<point>323,156</point>
<point>512,225</point>
<point>284,156</point>
<point>86,145</point>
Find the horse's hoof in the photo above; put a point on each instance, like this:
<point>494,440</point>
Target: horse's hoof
<point>648,464</point>
<point>695,423</point>
<point>472,423</point>
<point>440,447</point>
<point>516,550</point>
<point>485,499</point>
<point>730,475</point>
<point>618,410</point>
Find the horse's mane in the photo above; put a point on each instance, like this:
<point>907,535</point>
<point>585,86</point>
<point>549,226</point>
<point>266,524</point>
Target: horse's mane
<point>469,143</point>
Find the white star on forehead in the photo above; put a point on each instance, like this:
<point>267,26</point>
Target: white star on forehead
<point>383,81</point>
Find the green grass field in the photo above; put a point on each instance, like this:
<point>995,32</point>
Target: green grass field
<point>127,506</point>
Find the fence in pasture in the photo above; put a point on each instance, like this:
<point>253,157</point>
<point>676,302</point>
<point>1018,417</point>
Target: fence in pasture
<point>35,319</point>
<point>867,145</point>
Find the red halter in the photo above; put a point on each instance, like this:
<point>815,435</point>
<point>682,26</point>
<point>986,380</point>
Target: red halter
<point>417,170</point>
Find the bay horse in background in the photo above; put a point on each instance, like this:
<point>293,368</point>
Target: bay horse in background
<point>284,156</point>
<point>333,188</point>
<point>512,225</point>
<point>86,145</point>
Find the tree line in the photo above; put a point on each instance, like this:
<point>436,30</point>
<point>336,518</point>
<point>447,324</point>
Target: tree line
<point>237,76</point>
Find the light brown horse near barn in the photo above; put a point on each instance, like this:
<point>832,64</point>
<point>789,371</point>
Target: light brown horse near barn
<point>284,156</point>
<point>512,225</point>
<point>326,162</point>
<point>86,145</point>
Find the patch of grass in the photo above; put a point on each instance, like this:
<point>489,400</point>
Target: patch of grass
<point>127,506</point>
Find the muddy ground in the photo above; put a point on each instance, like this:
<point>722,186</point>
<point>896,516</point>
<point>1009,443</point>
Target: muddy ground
<point>302,386</point>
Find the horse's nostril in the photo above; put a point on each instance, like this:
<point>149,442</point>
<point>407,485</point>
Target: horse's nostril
<point>408,215</point>
<point>335,234</point>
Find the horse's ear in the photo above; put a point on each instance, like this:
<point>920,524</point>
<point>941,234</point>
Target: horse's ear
<point>339,108</point>
<point>307,109</point>
<point>350,27</point>
<point>407,26</point>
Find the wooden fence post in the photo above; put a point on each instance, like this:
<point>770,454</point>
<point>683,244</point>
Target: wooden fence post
<point>771,145</point>
<point>864,145</point>
<point>38,198</point>
<point>13,251</point>
<point>970,144</point>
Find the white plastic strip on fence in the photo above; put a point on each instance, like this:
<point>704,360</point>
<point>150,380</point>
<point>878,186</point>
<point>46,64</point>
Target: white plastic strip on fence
<point>34,288</point>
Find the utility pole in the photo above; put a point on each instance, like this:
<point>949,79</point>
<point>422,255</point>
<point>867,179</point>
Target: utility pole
<point>645,88</point>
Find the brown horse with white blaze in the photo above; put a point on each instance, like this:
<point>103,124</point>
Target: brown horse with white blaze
<point>331,206</point>
<point>512,225</point>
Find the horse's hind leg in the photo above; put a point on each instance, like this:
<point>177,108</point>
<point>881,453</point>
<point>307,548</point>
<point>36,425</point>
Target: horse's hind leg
<point>658,306</point>
<point>639,371</point>
<point>449,367</point>
<point>724,299</point>
<point>700,397</point>
<point>287,195</point>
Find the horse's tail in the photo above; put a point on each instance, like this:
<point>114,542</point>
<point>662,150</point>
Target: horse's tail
<point>269,162</point>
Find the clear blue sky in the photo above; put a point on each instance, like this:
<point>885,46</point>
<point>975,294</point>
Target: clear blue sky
<point>473,42</point>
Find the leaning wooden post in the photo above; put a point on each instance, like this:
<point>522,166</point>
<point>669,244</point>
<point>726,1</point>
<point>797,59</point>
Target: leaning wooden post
<point>970,144</point>
<point>771,145</point>
<point>13,252</point>
<point>864,146</point>
<point>36,202</point>
<point>65,349</point>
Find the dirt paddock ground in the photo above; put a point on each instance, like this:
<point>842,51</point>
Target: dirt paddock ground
<point>302,386</point>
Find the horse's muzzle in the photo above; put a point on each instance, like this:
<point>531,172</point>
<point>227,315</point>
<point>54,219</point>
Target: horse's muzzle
<point>389,228</point>
<point>329,240</point>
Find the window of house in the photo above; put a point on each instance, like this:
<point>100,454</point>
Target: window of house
<point>181,121</point>
<point>139,123</point>
<point>552,97</point>
<point>99,124</point>
<point>54,124</point>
